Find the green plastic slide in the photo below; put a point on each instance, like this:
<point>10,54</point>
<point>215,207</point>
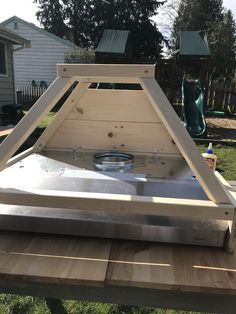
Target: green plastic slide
<point>192,108</point>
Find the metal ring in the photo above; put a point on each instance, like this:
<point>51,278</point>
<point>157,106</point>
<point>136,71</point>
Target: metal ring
<point>113,161</point>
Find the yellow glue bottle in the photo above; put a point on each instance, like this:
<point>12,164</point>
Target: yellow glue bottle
<point>210,158</point>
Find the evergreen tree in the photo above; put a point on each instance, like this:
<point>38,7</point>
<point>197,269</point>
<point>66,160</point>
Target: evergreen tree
<point>223,39</point>
<point>78,17</point>
<point>208,16</point>
<point>87,19</point>
<point>132,15</point>
<point>51,16</point>
<point>195,15</point>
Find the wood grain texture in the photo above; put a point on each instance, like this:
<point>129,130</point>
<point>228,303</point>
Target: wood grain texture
<point>114,105</point>
<point>172,267</point>
<point>117,203</point>
<point>233,184</point>
<point>184,142</point>
<point>53,258</point>
<point>31,120</point>
<point>4,131</point>
<point>125,136</point>
<point>230,243</point>
<point>66,260</point>
<point>61,115</point>
<point>228,188</point>
<point>106,70</point>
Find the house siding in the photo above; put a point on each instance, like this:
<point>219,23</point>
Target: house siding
<point>39,62</point>
<point>7,88</point>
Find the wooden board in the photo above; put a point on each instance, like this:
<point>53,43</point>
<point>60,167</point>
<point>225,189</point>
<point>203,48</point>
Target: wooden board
<point>233,184</point>
<point>69,104</point>
<point>117,203</point>
<point>53,258</point>
<point>232,196</point>
<point>95,71</point>
<point>102,135</point>
<point>32,119</point>
<point>4,131</point>
<point>184,142</point>
<point>114,105</point>
<point>67,260</point>
<point>172,267</point>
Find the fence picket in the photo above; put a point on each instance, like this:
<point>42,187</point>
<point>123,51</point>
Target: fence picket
<point>221,96</point>
<point>28,95</point>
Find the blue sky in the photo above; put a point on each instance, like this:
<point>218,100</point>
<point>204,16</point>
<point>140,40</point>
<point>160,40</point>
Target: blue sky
<point>26,9</point>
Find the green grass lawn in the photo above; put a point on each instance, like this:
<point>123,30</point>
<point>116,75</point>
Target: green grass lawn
<point>10,304</point>
<point>46,121</point>
<point>226,160</point>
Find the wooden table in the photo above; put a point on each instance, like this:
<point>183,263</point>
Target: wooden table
<point>118,271</point>
<point>126,272</point>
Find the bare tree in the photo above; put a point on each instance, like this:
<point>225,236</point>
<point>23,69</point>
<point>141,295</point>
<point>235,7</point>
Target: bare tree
<point>166,16</point>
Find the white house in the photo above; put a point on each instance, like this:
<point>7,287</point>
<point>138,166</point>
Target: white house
<point>38,63</point>
<point>7,84</point>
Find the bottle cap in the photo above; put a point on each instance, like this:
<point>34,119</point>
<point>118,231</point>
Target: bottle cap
<point>209,149</point>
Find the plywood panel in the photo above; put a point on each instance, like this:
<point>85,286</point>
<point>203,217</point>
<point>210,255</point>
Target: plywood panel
<point>114,105</point>
<point>172,267</point>
<point>53,258</point>
<point>136,137</point>
<point>61,115</point>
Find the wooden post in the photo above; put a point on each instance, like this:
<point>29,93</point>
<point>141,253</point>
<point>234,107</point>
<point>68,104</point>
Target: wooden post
<point>30,121</point>
<point>183,141</point>
<point>72,100</point>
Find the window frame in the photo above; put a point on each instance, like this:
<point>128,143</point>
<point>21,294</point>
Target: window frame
<point>6,72</point>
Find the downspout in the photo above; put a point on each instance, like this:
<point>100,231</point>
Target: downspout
<point>14,50</point>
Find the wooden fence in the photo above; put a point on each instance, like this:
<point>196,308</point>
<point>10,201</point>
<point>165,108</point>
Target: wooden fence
<point>28,95</point>
<point>221,96</point>
<point>218,96</point>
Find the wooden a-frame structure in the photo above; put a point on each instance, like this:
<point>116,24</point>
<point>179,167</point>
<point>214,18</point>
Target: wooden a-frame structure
<point>140,121</point>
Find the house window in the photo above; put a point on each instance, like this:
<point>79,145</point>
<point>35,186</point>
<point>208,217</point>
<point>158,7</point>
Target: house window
<point>3,62</point>
<point>15,25</point>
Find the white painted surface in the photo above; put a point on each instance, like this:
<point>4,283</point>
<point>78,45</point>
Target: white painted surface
<point>38,62</point>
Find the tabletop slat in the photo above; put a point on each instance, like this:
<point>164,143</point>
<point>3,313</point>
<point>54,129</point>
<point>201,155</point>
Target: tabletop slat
<point>171,267</point>
<point>53,258</point>
<point>67,260</point>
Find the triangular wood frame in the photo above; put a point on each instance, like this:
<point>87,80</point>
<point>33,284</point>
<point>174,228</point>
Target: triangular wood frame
<point>85,74</point>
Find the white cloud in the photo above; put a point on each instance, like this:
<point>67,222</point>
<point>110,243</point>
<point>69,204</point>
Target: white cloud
<point>25,9</point>
<point>230,4</point>
<point>165,17</point>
